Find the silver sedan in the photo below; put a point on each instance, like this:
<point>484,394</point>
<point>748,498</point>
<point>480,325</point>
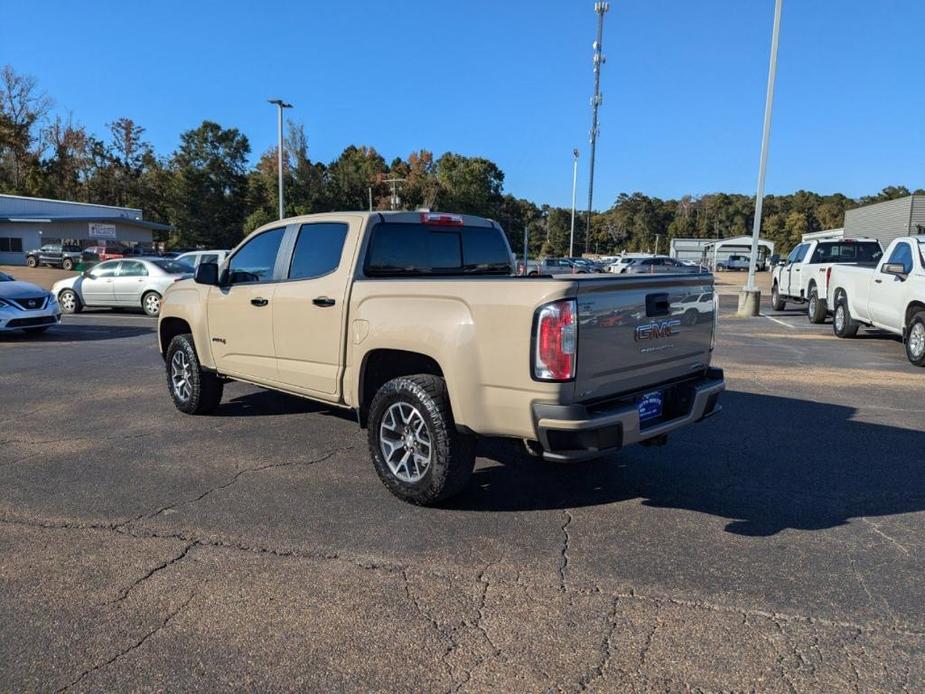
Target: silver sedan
<point>135,283</point>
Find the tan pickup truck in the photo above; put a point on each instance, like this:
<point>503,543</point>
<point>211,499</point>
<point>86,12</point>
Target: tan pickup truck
<point>417,322</point>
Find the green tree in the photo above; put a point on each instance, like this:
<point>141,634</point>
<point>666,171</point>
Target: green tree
<point>469,185</point>
<point>208,195</point>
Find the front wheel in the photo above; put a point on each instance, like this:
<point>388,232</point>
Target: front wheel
<point>777,303</point>
<point>816,311</point>
<point>915,340</point>
<point>843,325</point>
<point>416,449</point>
<point>151,303</point>
<point>193,390</point>
<point>67,264</point>
<point>32,262</point>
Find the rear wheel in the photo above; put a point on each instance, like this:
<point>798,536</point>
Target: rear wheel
<point>777,302</point>
<point>193,390</point>
<point>70,302</point>
<point>915,339</point>
<point>67,264</point>
<point>32,261</point>
<point>843,325</point>
<point>416,449</point>
<point>151,303</point>
<point>816,311</point>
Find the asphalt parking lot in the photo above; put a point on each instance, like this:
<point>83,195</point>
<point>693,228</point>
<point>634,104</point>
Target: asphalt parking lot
<point>775,547</point>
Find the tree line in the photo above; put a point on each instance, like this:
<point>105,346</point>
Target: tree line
<point>207,191</point>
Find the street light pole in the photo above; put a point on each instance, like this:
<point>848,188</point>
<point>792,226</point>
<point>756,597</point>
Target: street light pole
<point>600,8</point>
<point>571,238</point>
<point>280,105</point>
<point>750,298</point>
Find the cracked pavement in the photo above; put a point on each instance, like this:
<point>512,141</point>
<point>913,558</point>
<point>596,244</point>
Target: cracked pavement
<point>775,547</point>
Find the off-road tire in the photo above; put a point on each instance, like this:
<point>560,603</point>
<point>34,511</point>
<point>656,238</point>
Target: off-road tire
<point>67,264</point>
<point>843,325</point>
<point>32,261</point>
<point>74,306</point>
<point>452,454</point>
<point>777,303</point>
<point>816,309</point>
<point>916,359</point>
<point>205,387</point>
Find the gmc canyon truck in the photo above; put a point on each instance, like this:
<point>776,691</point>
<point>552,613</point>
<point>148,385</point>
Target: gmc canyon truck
<point>890,296</point>
<point>804,276</point>
<point>417,322</point>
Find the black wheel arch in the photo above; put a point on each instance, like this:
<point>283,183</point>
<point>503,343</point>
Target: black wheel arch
<point>382,365</point>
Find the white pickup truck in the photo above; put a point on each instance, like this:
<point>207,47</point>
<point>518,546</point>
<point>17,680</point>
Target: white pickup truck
<point>890,296</point>
<point>803,276</point>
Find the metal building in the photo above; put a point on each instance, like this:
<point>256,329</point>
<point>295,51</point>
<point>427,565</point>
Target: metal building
<point>688,249</point>
<point>26,224</point>
<point>887,220</point>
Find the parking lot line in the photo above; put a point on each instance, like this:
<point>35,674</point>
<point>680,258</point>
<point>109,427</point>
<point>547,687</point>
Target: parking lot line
<point>779,322</point>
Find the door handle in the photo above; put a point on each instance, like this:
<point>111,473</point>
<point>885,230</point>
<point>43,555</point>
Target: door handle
<point>259,301</point>
<point>323,301</point>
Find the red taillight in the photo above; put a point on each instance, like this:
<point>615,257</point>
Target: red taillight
<point>556,341</point>
<point>441,219</point>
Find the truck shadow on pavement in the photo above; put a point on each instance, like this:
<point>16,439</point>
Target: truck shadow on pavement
<point>766,463</point>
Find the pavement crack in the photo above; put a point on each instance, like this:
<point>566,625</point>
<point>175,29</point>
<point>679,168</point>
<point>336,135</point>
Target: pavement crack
<point>892,540</point>
<point>606,649</point>
<point>449,643</point>
<point>563,553</point>
<point>133,646</point>
<point>232,480</point>
<point>160,567</point>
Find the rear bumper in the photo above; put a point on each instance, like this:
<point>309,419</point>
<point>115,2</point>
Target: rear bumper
<point>570,433</point>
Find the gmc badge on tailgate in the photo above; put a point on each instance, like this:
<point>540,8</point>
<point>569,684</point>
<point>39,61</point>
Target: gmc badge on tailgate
<point>656,330</point>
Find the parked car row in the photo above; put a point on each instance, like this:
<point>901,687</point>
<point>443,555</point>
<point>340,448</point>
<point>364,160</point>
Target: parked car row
<point>68,256</point>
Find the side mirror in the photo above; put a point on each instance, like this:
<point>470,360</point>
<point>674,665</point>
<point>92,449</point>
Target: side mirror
<point>897,269</point>
<point>206,273</point>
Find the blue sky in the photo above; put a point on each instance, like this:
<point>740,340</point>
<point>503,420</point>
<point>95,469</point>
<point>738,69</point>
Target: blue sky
<point>683,85</point>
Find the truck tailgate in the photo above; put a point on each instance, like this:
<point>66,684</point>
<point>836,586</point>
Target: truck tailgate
<point>637,331</point>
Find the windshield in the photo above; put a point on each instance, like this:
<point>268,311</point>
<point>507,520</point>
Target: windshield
<point>399,248</point>
<point>173,267</point>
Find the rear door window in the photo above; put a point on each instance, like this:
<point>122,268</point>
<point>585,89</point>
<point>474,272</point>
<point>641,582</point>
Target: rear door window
<point>317,250</point>
<point>132,268</point>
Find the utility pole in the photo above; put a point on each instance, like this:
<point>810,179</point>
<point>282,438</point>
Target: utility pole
<point>750,296</point>
<point>280,105</point>
<point>571,238</point>
<point>657,237</point>
<point>394,200</point>
<point>601,9</point>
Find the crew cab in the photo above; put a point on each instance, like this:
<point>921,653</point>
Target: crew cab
<point>64,256</point>
<point>417,322</point>
<point>890,296</point>
<point>804,276</point>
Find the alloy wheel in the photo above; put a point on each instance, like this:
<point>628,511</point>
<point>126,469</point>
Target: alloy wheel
<point>405,442</point>
<point>152,304</point>
<point>180,372</point>
<point>840,317</point>
<point>68,301</point>
<point>917,341</point>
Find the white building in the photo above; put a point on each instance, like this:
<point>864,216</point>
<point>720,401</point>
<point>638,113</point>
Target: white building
<point>27,224</point>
